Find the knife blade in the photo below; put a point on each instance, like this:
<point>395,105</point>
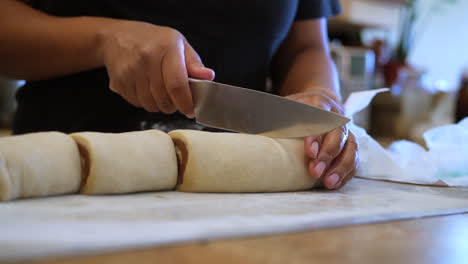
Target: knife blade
<point>248,111</point>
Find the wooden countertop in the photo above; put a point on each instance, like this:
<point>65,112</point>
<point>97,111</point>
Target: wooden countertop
<point>431,240</point>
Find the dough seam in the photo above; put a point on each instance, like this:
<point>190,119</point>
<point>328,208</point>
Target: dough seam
<point>86,165</point>
<point>182,158</point>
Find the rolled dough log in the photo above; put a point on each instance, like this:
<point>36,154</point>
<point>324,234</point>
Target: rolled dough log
<point>228,162</point>
<point>127,162</point>
<point>38,164</point>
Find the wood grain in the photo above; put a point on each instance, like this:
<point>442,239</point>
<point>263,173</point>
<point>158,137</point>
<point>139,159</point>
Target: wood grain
<point>430,240</point>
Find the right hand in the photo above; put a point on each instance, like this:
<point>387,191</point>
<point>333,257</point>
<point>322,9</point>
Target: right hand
<point>149,66</point>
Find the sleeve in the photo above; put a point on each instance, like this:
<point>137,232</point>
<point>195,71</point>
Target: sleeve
<point>309,9</point>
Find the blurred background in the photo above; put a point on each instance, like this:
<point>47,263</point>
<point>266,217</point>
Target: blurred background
<point>417,48</point>
<point>414,47</point>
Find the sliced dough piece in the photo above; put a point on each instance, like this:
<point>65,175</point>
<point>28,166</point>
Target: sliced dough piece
<point>38,164</point>
<point>228,162</point>
<point>127,162</point>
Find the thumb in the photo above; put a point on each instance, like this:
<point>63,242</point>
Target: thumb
<point>195,67</point>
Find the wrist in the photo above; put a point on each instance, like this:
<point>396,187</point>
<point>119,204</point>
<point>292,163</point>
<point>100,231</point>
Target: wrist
<point>104,29</point>
<point>328,92</point>
<point>332,93</point>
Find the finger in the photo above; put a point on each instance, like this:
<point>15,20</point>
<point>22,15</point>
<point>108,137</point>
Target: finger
<point>195,67</point>
<point>338,108</point>
<point>349,177</point>
<point>176,80</point>
<point>126,91</point>
<point>346,179</point>
<point>164,100</point>
<point>312,146</point>
<point>343,165</point>
<point>143,92</point>
<point>158,89</point>
<point>330,147</point>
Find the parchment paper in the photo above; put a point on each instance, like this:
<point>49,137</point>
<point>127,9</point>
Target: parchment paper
<point>88,224</point>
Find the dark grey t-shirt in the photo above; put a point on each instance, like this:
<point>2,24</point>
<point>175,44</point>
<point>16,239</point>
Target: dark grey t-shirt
<point>236,38</point>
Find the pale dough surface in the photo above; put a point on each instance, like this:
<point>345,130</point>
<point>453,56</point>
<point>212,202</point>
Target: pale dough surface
<point>228,162</point>
<point>127,162</point>
<point>38,164</point>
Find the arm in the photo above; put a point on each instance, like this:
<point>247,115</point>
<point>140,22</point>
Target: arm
<point>303,62</point>
<point>34,45</point>
<point>304,71</point>
<point>148,65</point>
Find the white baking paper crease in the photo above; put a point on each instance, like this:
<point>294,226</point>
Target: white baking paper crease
<point>80,224</point>
<point>445,162</point>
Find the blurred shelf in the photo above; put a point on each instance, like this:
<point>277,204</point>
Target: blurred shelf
<point>368,13</point>
<point>399,2</point>
<point>346,24</point>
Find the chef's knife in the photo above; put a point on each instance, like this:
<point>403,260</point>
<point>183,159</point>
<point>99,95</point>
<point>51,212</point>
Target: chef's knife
<point>248,111</point>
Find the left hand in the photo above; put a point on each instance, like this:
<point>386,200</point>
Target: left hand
<point>333,156</point>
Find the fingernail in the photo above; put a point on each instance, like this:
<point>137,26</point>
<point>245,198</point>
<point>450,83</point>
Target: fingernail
<point>213,73</point>
<point>191,115</point>
<point>314,148</point>
<point>332,180</point>
<point>319,168</point>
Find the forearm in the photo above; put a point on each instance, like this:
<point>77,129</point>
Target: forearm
<point>34,45</point>
<point>311,70</point>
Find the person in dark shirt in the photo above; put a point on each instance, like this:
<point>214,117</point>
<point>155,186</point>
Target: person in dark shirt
<point>116,65</point>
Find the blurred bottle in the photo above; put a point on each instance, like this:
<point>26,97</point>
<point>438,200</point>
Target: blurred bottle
<point>462,98</point>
